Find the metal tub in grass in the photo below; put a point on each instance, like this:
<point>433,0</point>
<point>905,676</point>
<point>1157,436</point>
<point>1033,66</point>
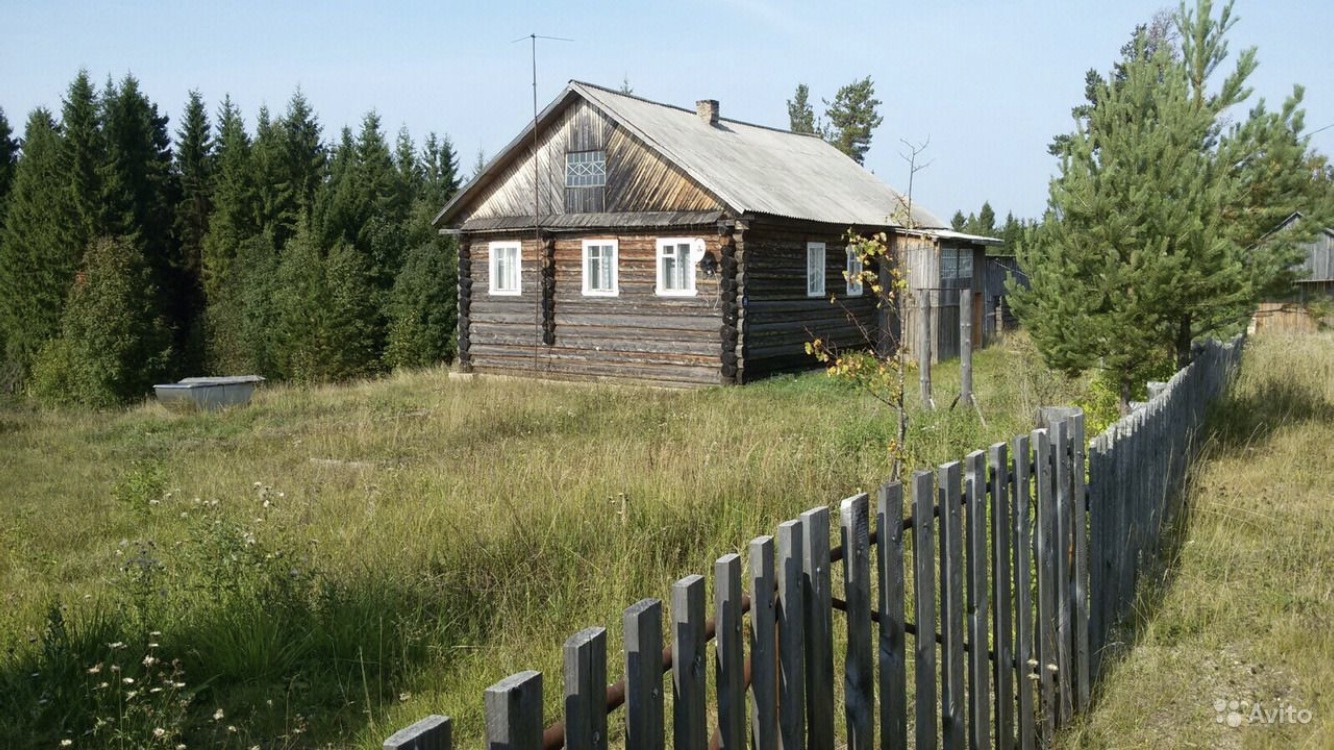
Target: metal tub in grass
<point>208,393</point>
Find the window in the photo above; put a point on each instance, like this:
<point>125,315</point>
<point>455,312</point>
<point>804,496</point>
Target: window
<point>585,169</point>
<point>600,268</point>
<point>814,269</point>
<point>506,263</point>
<point>854,273</point>
<point>956,263</point>
<point>676,268</point>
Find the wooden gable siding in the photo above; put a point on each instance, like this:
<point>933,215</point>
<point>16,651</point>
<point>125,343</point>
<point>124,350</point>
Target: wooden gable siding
<point>637,179</point>
<point>779,318</point>
<point>636,335</point>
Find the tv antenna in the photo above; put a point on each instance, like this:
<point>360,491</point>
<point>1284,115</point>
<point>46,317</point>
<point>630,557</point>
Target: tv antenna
<point>537,192</point>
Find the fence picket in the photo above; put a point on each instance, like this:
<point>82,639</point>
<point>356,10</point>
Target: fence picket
<point>893,667</point>
<point>1061,456</point>
<point>791,637</point>
<point>514,712</point>
<point>1002,613</point>
<point>1025,664</point>
<point>819,630</point>
<point>688,646</point>
<point>1047,587</point>
<point>975,539</point>
<point>950,491</point>
<point>763,645</point>
<point>644,723</point>
<point>924,607</point>
<point>729,654</point>
<point>1079,591</point>
<point>858,673</point>
<point>431,733</point>
<point>586,690</point>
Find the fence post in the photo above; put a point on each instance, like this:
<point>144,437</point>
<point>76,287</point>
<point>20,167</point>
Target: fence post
<point>1047,584</point>
<point>514,712</point>
<point>1062,456</point>
<point>859,673</point>
<point>965,347</point>
<point>1002,622</point>
<point>431,733</point>
<point>924,347</point>
<point>1080,589</point>
<point>586,690</point>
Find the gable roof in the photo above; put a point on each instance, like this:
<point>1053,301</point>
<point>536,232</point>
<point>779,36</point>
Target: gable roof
<point>751,169</point>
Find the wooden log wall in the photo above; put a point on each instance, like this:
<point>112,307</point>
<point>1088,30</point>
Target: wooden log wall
<point>465,305</point>
<point>780,319</point>
<point>552,330</point>
<point>729,332</point>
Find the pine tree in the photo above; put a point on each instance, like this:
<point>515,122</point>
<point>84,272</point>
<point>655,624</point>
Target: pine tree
<point>852,116</point>
<point>38,249</point>
<point>113,344</point>
<point>1131,247</point>
<point>800,116</point>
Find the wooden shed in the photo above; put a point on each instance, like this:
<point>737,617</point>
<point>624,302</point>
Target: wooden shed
<point>621,238</point>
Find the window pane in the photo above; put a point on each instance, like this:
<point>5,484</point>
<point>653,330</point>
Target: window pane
<point>586,169</point>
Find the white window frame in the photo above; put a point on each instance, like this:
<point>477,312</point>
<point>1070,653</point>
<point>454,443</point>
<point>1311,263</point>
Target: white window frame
<point>493,251</point>
<point>589,289</point>
<point>815,272</point>
<point>586,169</point>
<point>854,273</point>
<point>688,258</point>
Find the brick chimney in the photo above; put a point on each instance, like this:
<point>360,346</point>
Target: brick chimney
<point>707,109</point>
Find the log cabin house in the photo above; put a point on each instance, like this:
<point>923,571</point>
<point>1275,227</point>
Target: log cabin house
<point>621,238</point>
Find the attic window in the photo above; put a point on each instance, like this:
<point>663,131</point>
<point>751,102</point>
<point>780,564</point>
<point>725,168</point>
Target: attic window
<point>585,169</point>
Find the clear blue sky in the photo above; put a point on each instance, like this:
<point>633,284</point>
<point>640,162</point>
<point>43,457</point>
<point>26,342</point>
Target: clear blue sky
<point>988,83</point>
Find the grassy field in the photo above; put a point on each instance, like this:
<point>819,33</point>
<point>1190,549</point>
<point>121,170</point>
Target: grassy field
<point>333,563</point>
<point>1242,614</point>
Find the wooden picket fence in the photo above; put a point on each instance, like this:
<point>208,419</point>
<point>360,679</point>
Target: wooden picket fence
<point>1015,570</point>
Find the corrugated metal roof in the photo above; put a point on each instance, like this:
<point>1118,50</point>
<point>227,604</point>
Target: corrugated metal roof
<point>751,168</point>
<point>761,170</point>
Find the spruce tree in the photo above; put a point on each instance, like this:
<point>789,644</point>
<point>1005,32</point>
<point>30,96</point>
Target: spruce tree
<point>853,115</point>
<point>9,157</point>
<point>194,169</point>
<point>38,248</point>
<point>306,158</point>
<point>84,153</point>
<point>986,220</point>
<point>958,221</point>
<point>423,308</point>
<point>441,166</point>
<point>235,215</point>
<point>113,344</point>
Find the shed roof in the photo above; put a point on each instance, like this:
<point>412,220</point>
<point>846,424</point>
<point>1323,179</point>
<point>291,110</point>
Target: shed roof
<point>751,169</point>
